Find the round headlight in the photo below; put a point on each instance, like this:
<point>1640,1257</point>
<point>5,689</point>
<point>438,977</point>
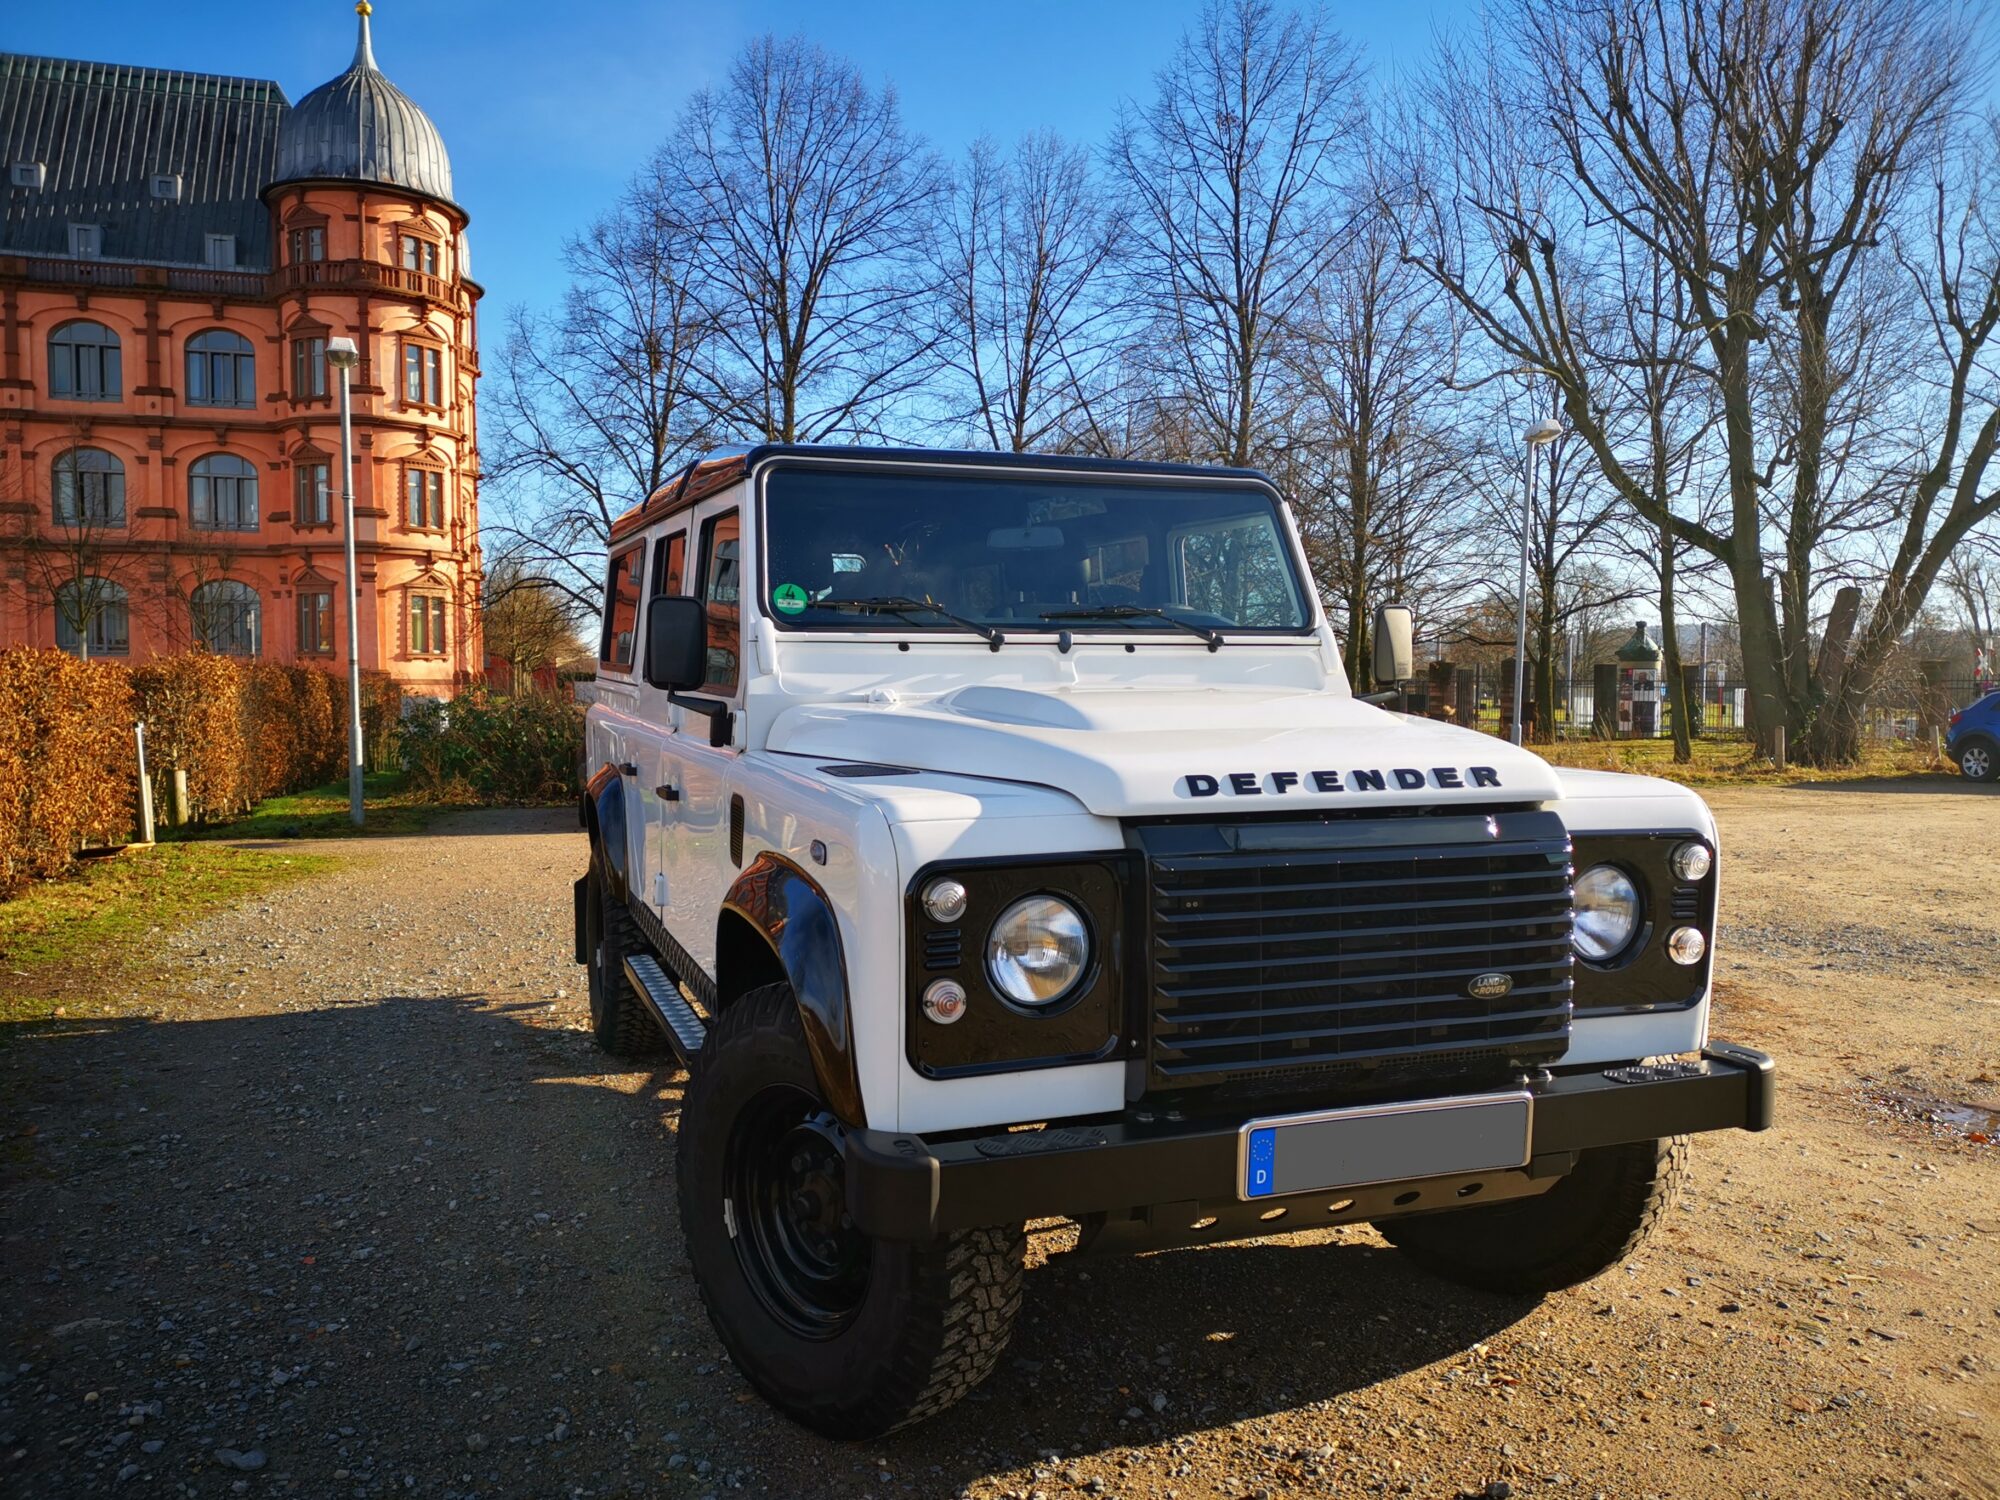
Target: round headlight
<point>1692,862</point>
<point>1037,950</point>
<point>1607,913</point>
<point>944,900</point>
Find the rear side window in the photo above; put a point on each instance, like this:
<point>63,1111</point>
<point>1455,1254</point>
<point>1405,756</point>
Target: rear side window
<point>670,564</point>
<point>721,590</point>
<point>621,609</point>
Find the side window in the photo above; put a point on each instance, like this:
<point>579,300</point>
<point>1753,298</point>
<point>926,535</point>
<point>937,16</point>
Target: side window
<point>670,564</point>
<point>721,588</point>
<point>621,610</point>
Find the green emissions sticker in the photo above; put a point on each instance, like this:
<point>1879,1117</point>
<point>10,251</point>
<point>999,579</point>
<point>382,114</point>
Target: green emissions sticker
<point>789,597</point>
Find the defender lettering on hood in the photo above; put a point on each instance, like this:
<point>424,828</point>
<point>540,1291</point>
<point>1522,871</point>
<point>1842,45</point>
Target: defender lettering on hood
<point>1277,783</point>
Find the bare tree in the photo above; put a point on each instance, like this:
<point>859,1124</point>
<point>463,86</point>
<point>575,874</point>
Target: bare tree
<point>529,622</point>
<point>1759,151</point>
<point>1373,457</point>
<point>807,207</point>
<point>592,411</point>
<point>1230,173</point>
<point>70,540</point>
<point>1024,322</point>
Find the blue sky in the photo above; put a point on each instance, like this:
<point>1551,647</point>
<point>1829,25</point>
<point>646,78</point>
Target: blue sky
<point>548,107</point>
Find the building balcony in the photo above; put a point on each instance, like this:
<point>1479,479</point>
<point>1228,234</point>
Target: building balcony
<point>202,281</point>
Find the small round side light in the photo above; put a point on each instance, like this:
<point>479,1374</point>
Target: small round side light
<point>945,900</point>
<point>1686,945</point>
<point>1692,862</point>
<point>944,1001</point>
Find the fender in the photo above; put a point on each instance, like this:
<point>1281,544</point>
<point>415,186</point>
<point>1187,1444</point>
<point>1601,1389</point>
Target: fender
<point>787,908</point>
<point>604,816</point>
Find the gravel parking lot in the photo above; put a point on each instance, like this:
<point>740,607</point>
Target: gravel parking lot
<point>341,1201</point>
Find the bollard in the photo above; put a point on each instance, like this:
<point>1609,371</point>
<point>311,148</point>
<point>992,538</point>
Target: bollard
<point>179,798</point>
<point>145,788</point>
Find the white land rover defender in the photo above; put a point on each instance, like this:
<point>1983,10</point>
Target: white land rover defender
<point>996,838</point>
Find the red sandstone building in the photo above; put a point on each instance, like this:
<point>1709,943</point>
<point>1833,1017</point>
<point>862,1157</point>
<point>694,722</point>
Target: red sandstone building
<point>176,249</point>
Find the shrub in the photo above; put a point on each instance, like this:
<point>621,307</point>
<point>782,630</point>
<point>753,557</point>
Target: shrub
<point>494,750</point>
<point>192,704</point>
<point>68,764</point>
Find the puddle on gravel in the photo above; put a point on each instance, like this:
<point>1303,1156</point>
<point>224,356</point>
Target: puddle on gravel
<point>1978,1123</point>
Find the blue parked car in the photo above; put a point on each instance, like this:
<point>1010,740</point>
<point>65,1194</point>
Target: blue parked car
<point>1974,741</point>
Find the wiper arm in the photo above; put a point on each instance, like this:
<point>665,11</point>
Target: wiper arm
<point>896,604</point>
<point>1134,612</point>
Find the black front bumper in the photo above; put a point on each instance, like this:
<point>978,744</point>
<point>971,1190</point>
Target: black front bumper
<point>911,1187</point>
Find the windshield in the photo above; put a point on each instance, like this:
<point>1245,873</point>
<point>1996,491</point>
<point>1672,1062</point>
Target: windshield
<point>1027,554</point>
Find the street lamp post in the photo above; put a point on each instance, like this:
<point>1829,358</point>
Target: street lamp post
<point>1545,431</point>
<point>343,355</point>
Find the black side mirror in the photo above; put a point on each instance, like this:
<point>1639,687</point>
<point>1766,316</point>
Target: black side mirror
<point>676,642</point>
<point>1395,654</point>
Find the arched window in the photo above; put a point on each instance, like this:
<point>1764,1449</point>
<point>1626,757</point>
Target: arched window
<point>221,369</point>
<point>226,617</point>
<point>88,486</point>
<point>96,611</point>
<point>222,493</point>
<point>83,362</point>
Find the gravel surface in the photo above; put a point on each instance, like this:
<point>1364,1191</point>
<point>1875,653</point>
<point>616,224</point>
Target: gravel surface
<point>341,1201</point>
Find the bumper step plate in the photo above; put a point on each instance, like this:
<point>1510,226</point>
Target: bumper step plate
<point>685,1030</point>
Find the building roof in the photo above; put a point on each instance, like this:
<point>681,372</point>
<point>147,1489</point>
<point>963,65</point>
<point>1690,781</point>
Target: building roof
<point>361,127</point>
<point>102,131</point>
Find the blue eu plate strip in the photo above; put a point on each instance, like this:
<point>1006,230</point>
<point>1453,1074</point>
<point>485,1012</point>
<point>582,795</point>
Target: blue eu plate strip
<point>1258,1170</point>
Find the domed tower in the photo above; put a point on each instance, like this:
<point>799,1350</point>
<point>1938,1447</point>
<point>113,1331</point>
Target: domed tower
<point>371,246</point>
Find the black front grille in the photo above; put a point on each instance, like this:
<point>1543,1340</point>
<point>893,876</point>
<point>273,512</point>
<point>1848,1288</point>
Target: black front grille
<point>1280,948</point>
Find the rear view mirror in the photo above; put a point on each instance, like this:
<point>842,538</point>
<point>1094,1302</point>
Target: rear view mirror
<point>676,642</point>
<point>1395,654</point>
<point>1024,538</point>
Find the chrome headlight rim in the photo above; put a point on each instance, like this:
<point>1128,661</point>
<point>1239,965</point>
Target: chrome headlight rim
<point>1012,980</point>
<point>1594,941</point>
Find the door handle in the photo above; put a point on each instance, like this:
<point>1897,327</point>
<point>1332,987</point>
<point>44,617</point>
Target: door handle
<point>667,793</point>
<point>626,768</point>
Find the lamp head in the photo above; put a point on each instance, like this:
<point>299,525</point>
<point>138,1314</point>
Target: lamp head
<point>343,354</point>
<point>1545,431</point>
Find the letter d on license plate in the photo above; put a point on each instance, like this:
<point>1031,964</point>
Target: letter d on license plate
<point>1341,1148</point>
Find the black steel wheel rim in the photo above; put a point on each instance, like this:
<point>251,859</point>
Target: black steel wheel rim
<point>800,1253</point>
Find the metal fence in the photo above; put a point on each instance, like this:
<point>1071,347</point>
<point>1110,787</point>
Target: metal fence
<point>1638,705</point>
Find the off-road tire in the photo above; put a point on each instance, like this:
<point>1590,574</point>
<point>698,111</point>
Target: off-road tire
<point>1979,759</point>
<point>1599,1214</point>
<point>934,1316</point>
<point>619,1020</point>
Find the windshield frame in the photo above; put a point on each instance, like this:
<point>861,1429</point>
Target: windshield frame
<point>1012,467</point>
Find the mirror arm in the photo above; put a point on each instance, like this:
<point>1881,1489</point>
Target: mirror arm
<point>721,722</point>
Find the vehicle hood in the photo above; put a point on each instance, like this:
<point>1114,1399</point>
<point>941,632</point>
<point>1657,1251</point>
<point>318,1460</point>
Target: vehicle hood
<point>1134,751</point>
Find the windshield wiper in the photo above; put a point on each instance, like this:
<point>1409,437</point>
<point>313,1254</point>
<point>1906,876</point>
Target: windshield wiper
<point>1134,612</point>
<point>896,604</point>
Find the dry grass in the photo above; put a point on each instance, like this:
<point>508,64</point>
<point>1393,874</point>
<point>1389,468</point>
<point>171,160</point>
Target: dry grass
<point>63,942</point>
<point>1734,763</point>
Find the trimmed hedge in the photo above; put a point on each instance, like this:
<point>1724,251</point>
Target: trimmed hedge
<point>241,731</point>
<point>68,766</point>
<point>484,748</point>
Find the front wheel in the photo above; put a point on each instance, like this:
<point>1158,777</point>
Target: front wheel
<point>1978,761</point>
<point>849,1335</point>
<point>1602,1212</point>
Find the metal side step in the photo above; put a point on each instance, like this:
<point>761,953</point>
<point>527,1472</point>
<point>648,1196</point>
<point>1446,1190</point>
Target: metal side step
<point>685,1030</point>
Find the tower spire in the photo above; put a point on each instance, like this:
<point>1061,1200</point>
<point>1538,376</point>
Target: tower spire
<point>364,50</point>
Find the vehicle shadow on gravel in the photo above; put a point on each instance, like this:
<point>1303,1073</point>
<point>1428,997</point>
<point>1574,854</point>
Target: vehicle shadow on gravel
<point>434,1238</point>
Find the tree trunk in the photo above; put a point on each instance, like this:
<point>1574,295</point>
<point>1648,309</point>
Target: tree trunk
<point>1670,661</point>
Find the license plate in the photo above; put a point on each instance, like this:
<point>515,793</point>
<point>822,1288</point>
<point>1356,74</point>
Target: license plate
<point>1342,1148</point>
